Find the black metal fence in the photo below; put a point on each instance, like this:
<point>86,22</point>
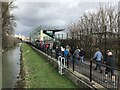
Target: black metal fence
<point>87,69</point>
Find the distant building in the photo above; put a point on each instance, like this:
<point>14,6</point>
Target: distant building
<point>44,34</point>
<point>22,37</point>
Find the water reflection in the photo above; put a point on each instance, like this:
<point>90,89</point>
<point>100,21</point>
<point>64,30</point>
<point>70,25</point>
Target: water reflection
<point>10,67</point>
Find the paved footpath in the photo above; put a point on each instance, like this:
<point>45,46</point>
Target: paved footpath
<point>96,75</point>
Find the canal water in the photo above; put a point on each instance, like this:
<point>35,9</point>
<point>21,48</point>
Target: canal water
<point>10,67</point>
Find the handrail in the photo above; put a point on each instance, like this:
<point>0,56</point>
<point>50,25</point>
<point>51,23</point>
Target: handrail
<point>106,65</point>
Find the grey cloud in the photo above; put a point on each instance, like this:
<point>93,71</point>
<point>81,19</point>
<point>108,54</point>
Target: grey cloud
<point>33,14</point>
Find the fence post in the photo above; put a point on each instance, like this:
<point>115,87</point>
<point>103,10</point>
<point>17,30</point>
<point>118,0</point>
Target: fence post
<point>44,51</point>
<point>67,62</point>
<point>47,51</point>
<point>73,63</point>
<point>118,85</point>
<point>51,52</point>
<point>91,71</point>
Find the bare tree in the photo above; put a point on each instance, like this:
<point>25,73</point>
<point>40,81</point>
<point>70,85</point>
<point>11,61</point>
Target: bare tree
<point>97,29</point>
<point>8,23</point>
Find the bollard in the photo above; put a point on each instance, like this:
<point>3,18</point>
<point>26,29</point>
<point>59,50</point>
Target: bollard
<point>91,71</point>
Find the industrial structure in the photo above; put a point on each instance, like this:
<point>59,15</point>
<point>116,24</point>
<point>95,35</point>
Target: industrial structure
<point>44,35</point>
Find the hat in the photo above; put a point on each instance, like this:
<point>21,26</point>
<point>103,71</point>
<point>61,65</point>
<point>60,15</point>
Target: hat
<point>109,53</point>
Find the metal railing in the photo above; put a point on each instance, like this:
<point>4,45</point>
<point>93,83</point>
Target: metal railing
<point>101,78</point>
<point>87,69</point>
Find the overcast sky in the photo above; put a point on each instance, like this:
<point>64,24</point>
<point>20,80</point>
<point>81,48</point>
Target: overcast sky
<point>57,14</point>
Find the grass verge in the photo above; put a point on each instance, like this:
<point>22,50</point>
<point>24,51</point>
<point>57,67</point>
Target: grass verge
<point>40,74</point>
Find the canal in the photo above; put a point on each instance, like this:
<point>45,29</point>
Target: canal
<point>10,67</point>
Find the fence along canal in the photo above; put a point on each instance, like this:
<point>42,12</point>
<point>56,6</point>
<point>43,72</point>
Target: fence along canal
<point>87,70</point>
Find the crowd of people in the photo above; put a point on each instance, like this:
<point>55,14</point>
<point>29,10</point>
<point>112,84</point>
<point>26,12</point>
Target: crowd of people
<point>70,53</point>
<point>78,55</point>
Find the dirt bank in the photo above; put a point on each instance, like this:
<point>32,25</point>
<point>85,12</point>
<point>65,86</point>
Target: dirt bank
<point>21,82</point>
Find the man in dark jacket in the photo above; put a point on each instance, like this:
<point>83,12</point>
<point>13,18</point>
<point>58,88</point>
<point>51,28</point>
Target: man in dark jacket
<point>57,50</point>
<point>106,55</point>
<point>82,54</point>
<point>110,62</point>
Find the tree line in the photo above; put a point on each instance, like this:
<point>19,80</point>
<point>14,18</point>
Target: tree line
<point>98,29</point>
<point>8,25</point>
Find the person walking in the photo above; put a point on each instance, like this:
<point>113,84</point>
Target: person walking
<point>47,47</point>
<point>62,51</point>
<point>57,52</point>
<point>72,50</point>
<point>66,54</point>
<point>76,54</point>
<point>106,55</point>
<point>82,54</point>
<point>110,63</point>
<point>98,58</point>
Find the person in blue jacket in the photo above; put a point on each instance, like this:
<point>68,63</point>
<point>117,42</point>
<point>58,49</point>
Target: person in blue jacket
<point>98,58</point>
<point>66,54</point>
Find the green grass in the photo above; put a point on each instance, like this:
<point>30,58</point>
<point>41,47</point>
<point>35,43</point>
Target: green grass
<point>42,74</point>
